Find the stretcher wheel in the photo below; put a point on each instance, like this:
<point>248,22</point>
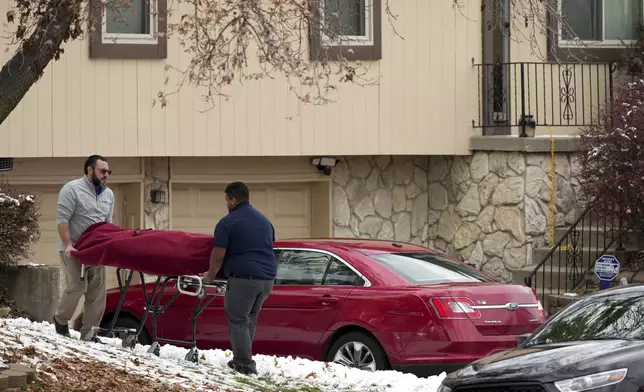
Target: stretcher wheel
<point>129,341</point>
<point>155,349</point>
<point>193,355</point>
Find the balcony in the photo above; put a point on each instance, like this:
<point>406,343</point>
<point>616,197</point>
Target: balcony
<point>515,97</point>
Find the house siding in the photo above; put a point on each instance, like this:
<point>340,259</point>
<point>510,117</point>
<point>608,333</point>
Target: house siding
<point>423,101</point>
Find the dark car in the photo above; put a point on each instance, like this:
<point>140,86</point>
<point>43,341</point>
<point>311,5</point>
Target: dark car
<point>595,344</point>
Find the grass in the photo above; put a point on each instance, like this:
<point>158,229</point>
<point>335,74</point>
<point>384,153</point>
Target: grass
<point>267,384</point>
<point>271,386</point>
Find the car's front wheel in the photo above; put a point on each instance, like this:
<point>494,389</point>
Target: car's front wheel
<point>358,350</point>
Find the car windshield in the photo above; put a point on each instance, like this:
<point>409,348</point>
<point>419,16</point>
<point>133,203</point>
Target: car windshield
<point>429,268</point>
<point>615,317</point>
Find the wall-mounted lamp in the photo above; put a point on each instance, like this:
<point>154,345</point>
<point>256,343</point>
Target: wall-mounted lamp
<point>157,196</point>
<point>324,164</point>
<point>528,126</point>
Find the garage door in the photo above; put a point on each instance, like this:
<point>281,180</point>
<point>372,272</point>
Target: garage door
<point>198,207</point>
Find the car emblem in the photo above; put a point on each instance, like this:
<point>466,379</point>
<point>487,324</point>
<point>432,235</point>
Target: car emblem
<point>512,306</point>
<point>481,302</point>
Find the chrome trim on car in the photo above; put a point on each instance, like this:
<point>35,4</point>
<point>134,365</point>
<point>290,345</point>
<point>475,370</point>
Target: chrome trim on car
<point>352,268</point>
<point>511,306</point>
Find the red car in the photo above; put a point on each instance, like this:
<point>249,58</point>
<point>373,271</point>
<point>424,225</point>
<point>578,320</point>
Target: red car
<point>371,304</point>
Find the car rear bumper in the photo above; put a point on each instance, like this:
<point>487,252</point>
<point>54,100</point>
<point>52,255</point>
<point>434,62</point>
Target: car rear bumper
<point>429,369</point>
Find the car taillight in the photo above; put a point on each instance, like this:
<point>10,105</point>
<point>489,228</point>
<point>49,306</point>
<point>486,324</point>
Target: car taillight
<point>540,307</point>
<point>455,308</point>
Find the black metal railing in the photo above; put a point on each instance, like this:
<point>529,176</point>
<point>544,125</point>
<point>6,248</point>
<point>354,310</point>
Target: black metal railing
<point>542,94</point>
<point>572,258</point>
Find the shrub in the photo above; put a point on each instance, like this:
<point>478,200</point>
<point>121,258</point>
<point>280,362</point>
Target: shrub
<point>613,158</point>
<point>19,227</point>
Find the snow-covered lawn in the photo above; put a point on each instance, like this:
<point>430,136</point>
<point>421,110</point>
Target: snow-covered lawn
<point>275,373</point>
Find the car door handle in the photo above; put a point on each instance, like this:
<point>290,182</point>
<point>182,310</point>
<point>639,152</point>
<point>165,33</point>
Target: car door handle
<point>328,298</point>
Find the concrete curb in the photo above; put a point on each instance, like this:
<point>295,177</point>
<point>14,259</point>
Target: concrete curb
<point>16,377</point>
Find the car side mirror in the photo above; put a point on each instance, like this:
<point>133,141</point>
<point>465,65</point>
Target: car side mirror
<point>522,338</point>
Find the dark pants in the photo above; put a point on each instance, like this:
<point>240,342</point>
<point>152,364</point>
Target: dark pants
<point>242,302</point>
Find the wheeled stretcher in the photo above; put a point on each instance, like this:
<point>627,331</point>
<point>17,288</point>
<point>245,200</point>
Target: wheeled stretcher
<point>176,259</point>
<point>186,285</point>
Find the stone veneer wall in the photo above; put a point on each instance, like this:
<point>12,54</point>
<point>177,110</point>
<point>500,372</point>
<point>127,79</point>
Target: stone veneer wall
<point>489,209</point>
<point>492,208</point>
<point>157,215</point>
<point>381,197</point>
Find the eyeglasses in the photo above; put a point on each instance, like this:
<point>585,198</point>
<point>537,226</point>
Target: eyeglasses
<point>103,171</point>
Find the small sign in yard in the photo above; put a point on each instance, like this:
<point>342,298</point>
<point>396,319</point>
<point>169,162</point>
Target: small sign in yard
<point>606,268</point>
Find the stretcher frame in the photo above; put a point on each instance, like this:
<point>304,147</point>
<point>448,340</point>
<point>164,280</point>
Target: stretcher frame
<point>190,285</point>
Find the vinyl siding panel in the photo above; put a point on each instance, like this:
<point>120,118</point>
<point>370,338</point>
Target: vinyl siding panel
<point>423,101</point>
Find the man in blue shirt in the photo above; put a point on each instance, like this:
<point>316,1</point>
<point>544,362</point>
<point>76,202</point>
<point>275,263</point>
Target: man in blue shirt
<point>244,247</point>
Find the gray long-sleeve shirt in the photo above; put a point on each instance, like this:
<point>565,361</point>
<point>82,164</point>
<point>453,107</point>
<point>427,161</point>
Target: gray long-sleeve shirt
<point>80,207</point>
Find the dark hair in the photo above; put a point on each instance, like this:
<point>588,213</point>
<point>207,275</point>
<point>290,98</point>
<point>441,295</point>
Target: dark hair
<point>91,161</point>
<point>238,190</point>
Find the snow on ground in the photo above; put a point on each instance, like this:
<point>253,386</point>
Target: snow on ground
<point>275,373</point>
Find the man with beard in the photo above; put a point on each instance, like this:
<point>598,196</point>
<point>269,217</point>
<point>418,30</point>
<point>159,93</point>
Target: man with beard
<point>244,247</point>
<point>81,203</point>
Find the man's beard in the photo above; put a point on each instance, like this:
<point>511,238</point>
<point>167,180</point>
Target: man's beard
<point>97,183</point>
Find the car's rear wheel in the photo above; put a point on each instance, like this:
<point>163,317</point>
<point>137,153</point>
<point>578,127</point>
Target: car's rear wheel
<point>358,350</point>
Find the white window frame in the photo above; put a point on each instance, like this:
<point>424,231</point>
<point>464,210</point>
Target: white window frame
<point>609,43</point>
<point>118,38</point>
<point>352,40</point>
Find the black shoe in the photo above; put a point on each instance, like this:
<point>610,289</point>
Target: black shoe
<point>252,369</point>
<point>246,370</point>
<point>61,329</point>
<point>234,365</point>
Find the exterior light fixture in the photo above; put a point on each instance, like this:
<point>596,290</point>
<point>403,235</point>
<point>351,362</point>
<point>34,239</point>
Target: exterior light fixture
<point>324,164</point>
<point>528,126</point>
<point>157,196</point>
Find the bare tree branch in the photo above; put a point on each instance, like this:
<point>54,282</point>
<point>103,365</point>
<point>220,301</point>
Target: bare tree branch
<point>226,41</point>
<point>529,22</point>
<point>50,23</point>
<point>224,37</point>
<point>240,40</point>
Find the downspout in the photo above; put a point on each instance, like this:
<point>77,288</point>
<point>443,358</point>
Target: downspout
<point>506,31</point>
